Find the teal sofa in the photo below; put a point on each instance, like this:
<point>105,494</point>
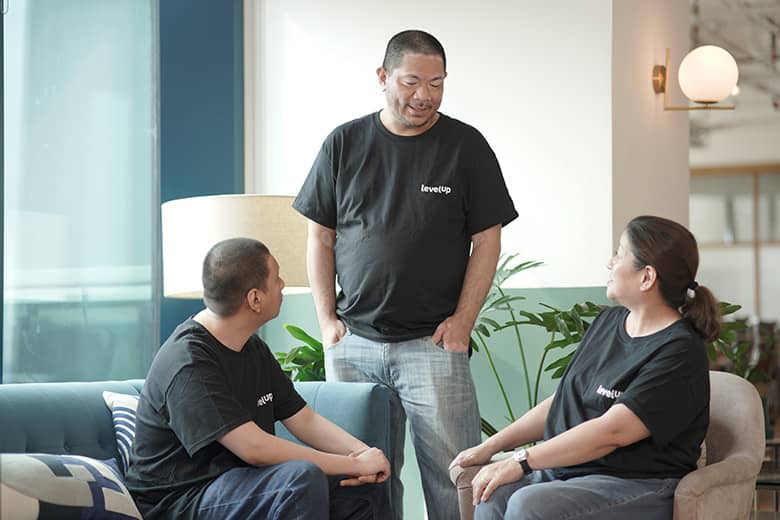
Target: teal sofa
<point>73,419</point>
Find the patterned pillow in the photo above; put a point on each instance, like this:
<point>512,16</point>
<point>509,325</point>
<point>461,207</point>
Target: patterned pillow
<point>45,486</point>
<point>123,408</point>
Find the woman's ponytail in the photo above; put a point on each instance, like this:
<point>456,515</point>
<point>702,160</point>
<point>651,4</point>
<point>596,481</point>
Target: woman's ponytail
<point>702,310</point>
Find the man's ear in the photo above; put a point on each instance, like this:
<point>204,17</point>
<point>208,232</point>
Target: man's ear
<point>254,298</point>
<point>381,74</point>
<point>649,278</point>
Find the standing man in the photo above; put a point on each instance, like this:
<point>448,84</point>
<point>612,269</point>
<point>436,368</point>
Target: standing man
<point>406,206</point>
<point>205,446</point>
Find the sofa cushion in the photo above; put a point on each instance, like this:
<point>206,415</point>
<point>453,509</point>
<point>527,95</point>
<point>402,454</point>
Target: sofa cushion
<point>123,409</point>
<point>47,486</point>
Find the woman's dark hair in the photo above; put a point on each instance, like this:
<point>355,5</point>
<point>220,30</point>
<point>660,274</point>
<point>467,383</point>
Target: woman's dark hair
<point>231,268</point>
<point>671,249</point>
<point>412,42</point>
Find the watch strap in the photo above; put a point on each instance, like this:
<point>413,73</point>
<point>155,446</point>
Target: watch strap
<point>521,457</point>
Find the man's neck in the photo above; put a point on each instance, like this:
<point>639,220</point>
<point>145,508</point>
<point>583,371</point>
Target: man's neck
<point>394,126</point>
<point>232,331</point>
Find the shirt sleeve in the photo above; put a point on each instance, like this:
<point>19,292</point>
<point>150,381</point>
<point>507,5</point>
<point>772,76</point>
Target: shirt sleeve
<point>671,390</point>
<point>317,198</point>
<point>200,408</point>
<point>488,201</point>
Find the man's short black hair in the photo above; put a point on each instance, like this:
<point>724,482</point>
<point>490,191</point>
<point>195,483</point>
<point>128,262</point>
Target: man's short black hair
<point>231,268</point>
<point>413,42</point>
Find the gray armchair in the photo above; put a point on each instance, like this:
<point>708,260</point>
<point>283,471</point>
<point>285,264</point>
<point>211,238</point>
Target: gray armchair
<point>723,488</point>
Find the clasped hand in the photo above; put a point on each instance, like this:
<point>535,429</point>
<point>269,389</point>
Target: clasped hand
<point>375,468</point>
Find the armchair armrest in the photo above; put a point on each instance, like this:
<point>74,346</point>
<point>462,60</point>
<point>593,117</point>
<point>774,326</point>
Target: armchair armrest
<point>462,478</point>
<point>722,490</point>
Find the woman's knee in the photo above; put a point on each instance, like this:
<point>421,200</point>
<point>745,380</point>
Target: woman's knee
<point>533,502</point>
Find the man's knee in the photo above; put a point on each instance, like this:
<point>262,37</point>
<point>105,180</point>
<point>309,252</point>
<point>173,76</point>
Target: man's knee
<point>305,474</point>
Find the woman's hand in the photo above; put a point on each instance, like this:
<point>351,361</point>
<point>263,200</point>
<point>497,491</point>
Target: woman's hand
<point>471,457</point>
<point>492,476</point>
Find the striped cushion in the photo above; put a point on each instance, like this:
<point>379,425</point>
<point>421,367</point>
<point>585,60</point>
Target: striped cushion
<point>123,408</point>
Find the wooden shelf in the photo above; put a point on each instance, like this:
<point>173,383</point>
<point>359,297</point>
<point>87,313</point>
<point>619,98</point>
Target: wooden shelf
<point>747,244</point>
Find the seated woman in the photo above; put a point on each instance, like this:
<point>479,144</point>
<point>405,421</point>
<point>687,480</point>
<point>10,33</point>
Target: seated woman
<point>632,409</point>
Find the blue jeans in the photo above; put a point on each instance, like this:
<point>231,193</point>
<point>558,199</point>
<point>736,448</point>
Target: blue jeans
<point>541,497</point>
<point>294,490</point>
<point>431,387</point>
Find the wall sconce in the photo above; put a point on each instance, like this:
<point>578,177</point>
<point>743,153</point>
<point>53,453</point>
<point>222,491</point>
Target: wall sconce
<point>707,75</point>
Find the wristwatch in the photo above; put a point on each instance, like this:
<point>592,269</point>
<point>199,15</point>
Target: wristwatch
<point>521,457</point>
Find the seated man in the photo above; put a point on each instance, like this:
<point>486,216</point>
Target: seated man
<point>205,446</point>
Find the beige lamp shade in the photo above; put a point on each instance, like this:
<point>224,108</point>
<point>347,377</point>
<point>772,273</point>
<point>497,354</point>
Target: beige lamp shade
<point>191,226</point>
<point>708,74</point>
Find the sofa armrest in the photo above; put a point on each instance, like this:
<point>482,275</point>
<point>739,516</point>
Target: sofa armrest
<point>362,409</point>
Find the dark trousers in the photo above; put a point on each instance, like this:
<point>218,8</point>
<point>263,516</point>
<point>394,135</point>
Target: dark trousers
<point>294,490</point>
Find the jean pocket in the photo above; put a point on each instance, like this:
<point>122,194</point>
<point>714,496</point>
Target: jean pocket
<point>339,342</point>
<point>440,346</point>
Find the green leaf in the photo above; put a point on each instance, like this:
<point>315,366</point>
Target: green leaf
<point>487,428</point>
<point>301,335</point>
<point>504,301</point>
<point>482,330</point>
<point>532,318</point>
<point>562,362</point>
<point>562,327</point>
<point>728,308</point>
<point>712,351</point>
<point>292,354</point>
<point>492,323</point>
<point>560,343</point>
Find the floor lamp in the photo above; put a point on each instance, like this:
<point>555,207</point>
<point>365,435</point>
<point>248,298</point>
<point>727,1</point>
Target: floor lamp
<point>192,225</point>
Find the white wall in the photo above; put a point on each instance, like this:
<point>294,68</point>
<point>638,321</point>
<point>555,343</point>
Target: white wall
<point>560,88</point>
<point>533,76</point>
<point>649,145</point>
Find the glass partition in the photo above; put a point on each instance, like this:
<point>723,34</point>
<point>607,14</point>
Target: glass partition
<point>80,189</point>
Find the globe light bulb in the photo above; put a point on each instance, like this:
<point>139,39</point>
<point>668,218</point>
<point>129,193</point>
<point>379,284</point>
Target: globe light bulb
<point>708,74</point>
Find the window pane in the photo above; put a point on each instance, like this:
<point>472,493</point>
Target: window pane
<point>721,208</point>
<point>80,189</point>
<point>770,282</point>
<point>729,273</point>
<point>769,206</point>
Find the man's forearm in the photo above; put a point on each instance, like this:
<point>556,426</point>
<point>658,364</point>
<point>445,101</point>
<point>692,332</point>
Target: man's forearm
<point>481,267</point>
<point>259,448</point>
<point>318,432</point>
<point>321,266</point>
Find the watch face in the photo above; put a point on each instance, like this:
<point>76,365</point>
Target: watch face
<point>519,455</point>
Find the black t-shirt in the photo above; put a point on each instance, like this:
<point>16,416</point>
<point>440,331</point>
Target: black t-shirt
<point>663,378</point>
<point>197,390</point>
<point>404,209</point>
